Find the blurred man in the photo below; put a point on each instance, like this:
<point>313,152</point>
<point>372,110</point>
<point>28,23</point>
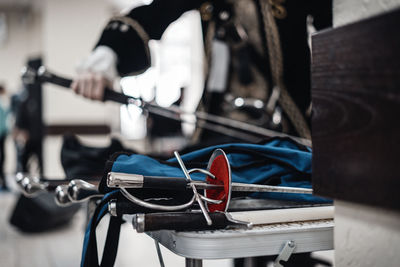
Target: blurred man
<point>3,134</point>
<point>28,129</point>
<point>258,59</point>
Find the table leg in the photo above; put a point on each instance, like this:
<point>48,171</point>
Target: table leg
<point>193,262</point>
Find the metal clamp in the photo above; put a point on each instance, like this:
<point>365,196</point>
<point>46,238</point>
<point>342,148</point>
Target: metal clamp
<point>285,254</point>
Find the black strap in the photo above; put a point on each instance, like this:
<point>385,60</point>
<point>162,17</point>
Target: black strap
<point>91,256</point>
<point>111,245</point>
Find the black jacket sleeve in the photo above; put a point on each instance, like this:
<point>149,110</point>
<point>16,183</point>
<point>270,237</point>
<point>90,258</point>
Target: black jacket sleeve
<point>128,36</point>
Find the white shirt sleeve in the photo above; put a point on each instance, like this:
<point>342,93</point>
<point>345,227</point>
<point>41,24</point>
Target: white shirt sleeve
<point>102,60</point>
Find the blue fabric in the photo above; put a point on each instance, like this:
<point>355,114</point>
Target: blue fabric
<point>277,158</point>
<point>3,120</point>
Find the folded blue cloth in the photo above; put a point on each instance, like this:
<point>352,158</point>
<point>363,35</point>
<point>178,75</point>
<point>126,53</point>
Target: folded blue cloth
<point>279,161</point>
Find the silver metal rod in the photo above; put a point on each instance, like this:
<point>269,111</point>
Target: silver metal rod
<point>198,199</point>
<point>204,124</point>
<point>160,257</point>
<point>209,200</point>
<point>80,190</point>
<point>242,187</point>
<point>204,185</point>
<point>206,172</point>
<point>238,125</point>
<point>220,124</point>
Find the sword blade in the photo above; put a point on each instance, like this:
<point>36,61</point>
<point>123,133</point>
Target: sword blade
<point>243,187</point>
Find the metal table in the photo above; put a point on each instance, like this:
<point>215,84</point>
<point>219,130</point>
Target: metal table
<point>265,240</point>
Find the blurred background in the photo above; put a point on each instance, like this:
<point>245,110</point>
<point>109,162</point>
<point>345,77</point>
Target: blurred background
<point>59,34</point>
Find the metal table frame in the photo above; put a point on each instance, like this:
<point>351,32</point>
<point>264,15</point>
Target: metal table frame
<point>260,241</point>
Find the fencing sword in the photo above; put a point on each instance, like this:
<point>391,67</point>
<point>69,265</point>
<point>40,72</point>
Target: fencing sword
<point>30,186</point>
<point>66,191</point>
<point>76,191</point>
<point>122,207</point>
<point>218,160</point>
<point>206,203</point>
<point>222,125</point>
<point>30,75</point>
<point>217,188</point>
<point>33,185</point>
<point>125,180</point>
<point>192,221</point>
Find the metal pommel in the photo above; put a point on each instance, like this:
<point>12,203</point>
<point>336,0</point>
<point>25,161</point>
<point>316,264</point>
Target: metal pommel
<point>42,72</point>
<point>112,207</point>
<point>31,186</point>
<point>118,179</point>
<point>138,222</point>
<point>79,190</point>
<point>19,177</point>
<point>61,194</point>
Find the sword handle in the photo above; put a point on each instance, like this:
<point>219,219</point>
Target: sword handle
<point>109,94</point>
<point>179,221</point>
<point>170,183</point>
<point>126,180</point>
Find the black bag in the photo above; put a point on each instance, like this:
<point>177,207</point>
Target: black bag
<point>80,161</point>
<point>41,213</point>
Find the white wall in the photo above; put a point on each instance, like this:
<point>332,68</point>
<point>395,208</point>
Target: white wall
<point>346,11</point>
<point>70,30</point>
<point>24,38</point>
<point>364,236</point>
<point>63,32</point>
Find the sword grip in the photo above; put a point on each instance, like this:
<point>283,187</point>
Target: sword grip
<point>179,221</point>
<point>126,180</point>
<point>109,94</point>
<point>54,79</point>
<point>166,183</point>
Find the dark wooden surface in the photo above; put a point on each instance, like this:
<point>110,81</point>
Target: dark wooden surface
<point>60,129</point>
<point>356,112</point>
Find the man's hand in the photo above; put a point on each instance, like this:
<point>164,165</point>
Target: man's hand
<point>95,73</point>
<point>90,85</point>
